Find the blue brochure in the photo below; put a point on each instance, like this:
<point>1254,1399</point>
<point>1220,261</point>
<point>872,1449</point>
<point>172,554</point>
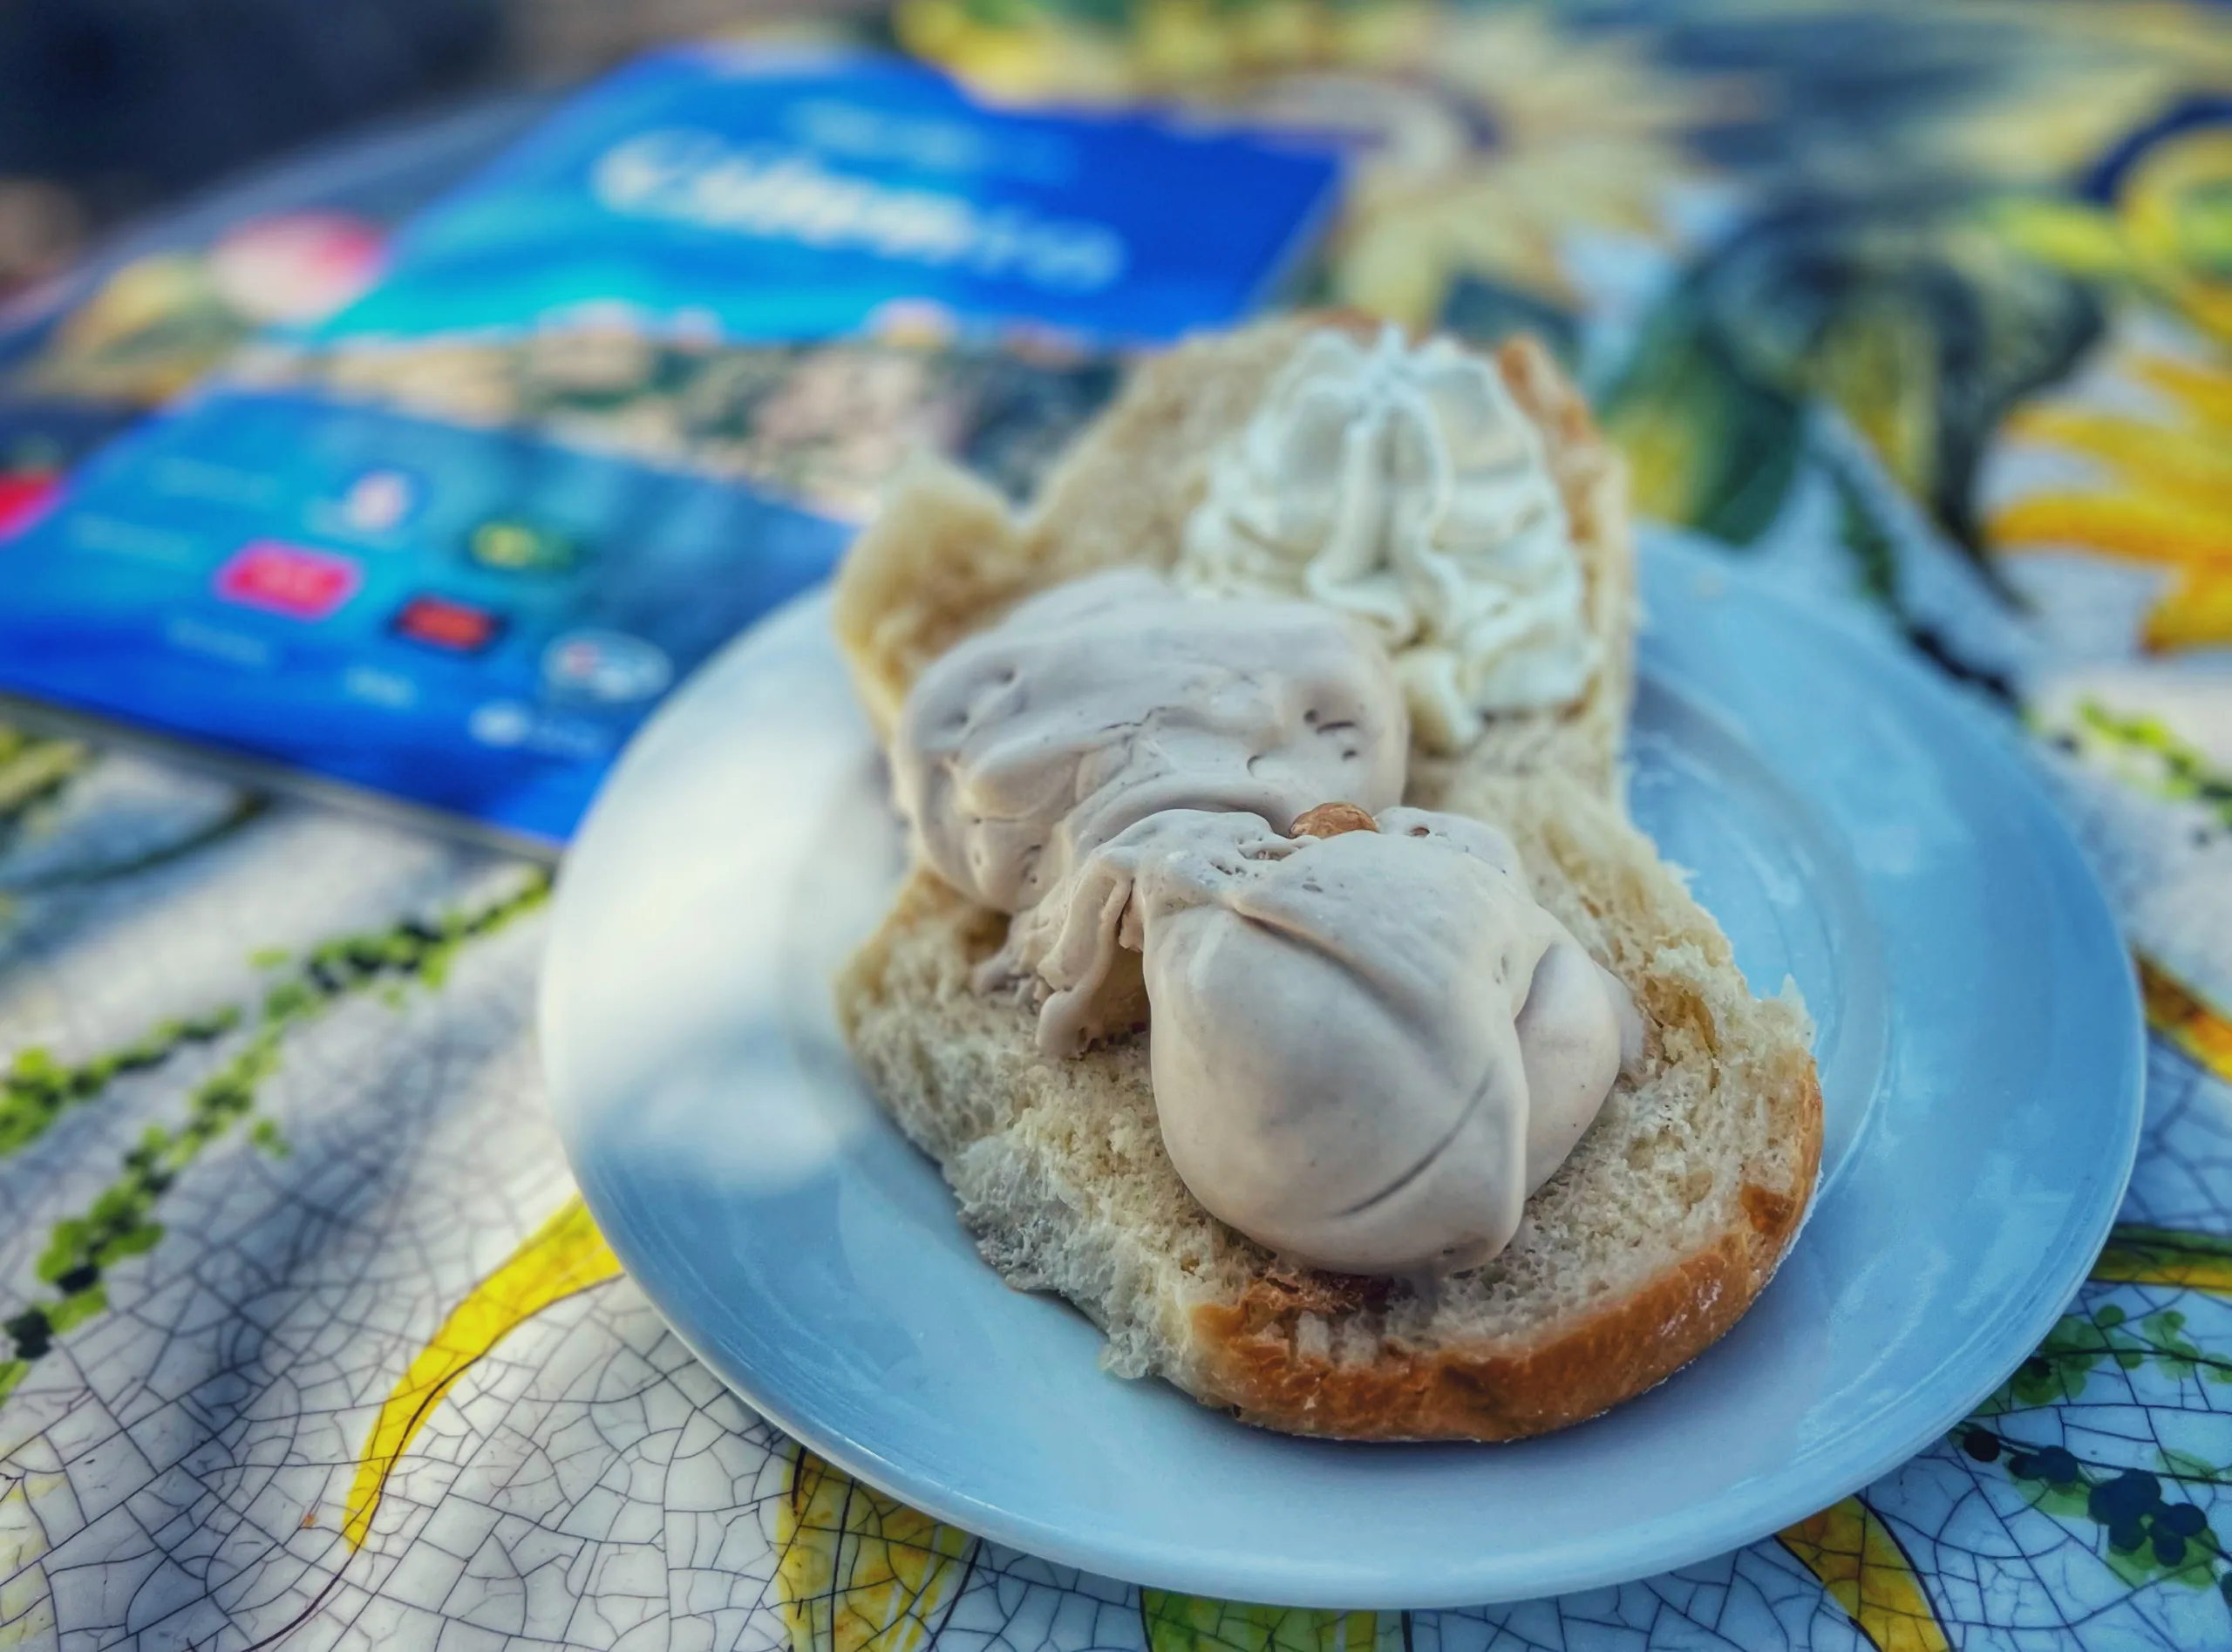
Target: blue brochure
<point>613,401</point>
<point>472,621</point>
<point>797,194</point>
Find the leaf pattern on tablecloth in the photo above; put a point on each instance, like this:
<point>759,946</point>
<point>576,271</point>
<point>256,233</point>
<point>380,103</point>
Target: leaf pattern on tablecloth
<point>1923,308</point>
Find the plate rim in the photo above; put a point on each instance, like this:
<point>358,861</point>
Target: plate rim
<point>1755,1512</point>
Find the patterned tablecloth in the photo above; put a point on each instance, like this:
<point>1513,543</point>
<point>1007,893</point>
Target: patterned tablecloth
<point>1922,307</point>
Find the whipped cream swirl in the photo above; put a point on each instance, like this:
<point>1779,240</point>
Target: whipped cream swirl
<point>1406,487</point>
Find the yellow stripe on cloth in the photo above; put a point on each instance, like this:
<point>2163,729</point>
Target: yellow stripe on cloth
<point>2153,460</point>
<point>2185,1020</point>
<point>1861,1564</point>
<point>2173,533</point>
<point>566,1256</point>
<point>2204,393</point>
<point>2167,1256</point>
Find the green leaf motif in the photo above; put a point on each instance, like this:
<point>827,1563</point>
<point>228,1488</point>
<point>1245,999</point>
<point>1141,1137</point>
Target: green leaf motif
<point>37,1090</point>
<point>33,770</point>
<point>1874,556</point>
<point>2144,752</point>
<point>1708,444</point>
<point>1193,1624</point>
<point>119,1222</point>
<point>76,1307</point>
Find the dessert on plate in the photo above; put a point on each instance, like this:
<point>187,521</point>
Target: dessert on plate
<point>1278,977</point>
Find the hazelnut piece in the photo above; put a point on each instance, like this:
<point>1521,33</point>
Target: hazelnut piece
<point>1331,820</point>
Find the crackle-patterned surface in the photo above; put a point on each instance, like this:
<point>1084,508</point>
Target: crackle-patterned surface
<point>305,1339</point>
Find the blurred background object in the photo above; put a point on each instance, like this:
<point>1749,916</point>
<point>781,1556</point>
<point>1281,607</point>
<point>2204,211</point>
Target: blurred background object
<point>563,40</point>
<point>41,224</point>
<point>109,107</point>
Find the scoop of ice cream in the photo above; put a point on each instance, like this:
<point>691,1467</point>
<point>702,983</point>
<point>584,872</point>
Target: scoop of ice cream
<point>1103,701</point>
<point>1368,1048</point>
<point>1406,487</point>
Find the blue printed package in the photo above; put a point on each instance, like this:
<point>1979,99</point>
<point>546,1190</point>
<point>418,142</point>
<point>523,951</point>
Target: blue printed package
<point>613,400</point>
<point>796,195</point>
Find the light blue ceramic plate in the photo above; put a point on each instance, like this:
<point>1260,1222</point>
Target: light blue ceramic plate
<point>1848,821</point>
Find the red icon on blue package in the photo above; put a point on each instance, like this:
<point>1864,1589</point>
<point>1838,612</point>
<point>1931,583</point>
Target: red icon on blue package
<point>25,497</point>
<point>292,580</point>
<point>438,621</point>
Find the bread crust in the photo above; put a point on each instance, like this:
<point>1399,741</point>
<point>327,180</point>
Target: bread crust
<point>1250,1358</point>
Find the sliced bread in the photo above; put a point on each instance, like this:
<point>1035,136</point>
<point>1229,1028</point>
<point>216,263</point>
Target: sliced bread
<point>1646,1246</point>
<point>1648,1243</point>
